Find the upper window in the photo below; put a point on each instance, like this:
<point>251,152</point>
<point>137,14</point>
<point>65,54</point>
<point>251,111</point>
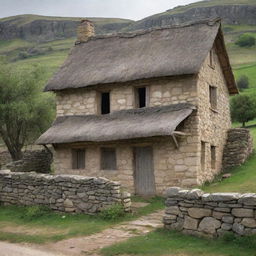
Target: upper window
<point>108,159</point>
<point>203,154</point>
<point>105,103</point>
<point>213,96</point>
<point>140,95</point>
<point>78,158</point>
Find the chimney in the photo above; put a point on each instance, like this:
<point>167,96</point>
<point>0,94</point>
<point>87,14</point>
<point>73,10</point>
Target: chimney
<point>85,30</point>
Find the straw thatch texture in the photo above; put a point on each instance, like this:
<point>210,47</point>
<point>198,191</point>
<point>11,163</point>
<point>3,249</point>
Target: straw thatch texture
<point>125,124</point>
<point>155,53</point>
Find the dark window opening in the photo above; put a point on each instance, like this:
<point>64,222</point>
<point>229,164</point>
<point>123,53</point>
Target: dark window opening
<point>213,97</point>
<point>203,155</point>
<point>105,103</point>
<point>141,97</point>
<point>213,157</point>
<point>78,159</point>
<point>108,159</point>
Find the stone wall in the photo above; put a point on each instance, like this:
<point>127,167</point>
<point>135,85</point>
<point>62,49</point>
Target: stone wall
<point>33,161</point>
<point>5,158</point>
<point>238,148</point>
<point>213,123</point>
<point>63,193</point>
<point>196,213</point>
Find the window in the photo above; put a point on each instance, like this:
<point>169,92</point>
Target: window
<point>78,159</point>
<point>213,157</point>
<point>211,59</point>
<point>203,145</point>
<point>213,97</point>
<point>105,103</point>
<point>140,95</point>
<point>108,159</point>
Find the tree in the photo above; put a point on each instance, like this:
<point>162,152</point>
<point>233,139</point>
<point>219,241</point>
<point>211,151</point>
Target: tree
<point>243,109</point>
<point>243,82</point>
<point>245,41</point>
<point>24,111</point>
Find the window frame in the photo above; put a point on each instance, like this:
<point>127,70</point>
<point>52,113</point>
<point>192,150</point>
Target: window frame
<point>213,97</point>
<point>104,163</point>
<point>78,162</point>
<point>213,157</point>
<point>203,155</point>
<point>137,96</point>
<point>101,101</point>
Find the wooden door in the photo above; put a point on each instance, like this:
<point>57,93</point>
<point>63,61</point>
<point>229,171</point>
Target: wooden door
<point>144,178</point>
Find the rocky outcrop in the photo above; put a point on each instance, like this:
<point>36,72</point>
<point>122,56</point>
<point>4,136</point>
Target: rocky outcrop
<point>62,193</point>
<point>210,215</point>
<point>230,14</point>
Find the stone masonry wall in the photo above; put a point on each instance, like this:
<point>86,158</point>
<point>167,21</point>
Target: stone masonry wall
<point>195,213</point>
<point>5,158</point>
<point>63,193</point>
<point>238,148</point>
<point>213,123</point>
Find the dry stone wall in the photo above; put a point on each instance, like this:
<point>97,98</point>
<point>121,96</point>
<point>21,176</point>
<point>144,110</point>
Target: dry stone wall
<point>197,213</point>
<point>238,148</point>
<point>63,193</point>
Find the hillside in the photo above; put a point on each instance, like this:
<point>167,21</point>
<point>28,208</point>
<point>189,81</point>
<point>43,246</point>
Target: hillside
<point>29,39</point>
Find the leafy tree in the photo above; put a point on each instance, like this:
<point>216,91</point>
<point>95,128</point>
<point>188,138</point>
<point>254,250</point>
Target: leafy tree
<point>243,109</point>
<point>245,41</point>
<point>243,82</point>
<point>24,111</point>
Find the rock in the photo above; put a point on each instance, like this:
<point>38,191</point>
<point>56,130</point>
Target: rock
<point>209,225</point>
<point>68,203</point>
<point>220,197</point>
<point>228,219</point>
<point>241,212</point>
<point>226,226</point>
<point>238,228</point>
<point>173,210</point>
<point>199,213</point>
<point>249,222</point>
<point>190,223</point>
<point>194,194</point>
<point>248,199</point>
<point>172,192</point>
<point>219,215</point>
<point>226,175</point>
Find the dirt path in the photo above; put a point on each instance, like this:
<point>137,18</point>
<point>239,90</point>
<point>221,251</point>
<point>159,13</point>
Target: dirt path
<point>90,245</point>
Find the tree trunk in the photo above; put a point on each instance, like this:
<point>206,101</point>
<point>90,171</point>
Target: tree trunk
<point>243,124</point>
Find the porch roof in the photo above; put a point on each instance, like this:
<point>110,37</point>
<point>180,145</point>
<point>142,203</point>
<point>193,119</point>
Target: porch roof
<point>120,125</point>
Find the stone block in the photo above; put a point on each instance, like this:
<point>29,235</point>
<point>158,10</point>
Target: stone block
<point>199,213</point>
<point>190,223</point>
<point>209,225</point>
<point>249,222</point>
<point>241,212</point>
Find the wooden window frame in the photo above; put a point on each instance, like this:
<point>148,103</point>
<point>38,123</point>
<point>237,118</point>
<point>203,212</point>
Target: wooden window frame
<point>213,97</point>
<point>100,93</point>
<point>104,163</point>
<point>203,155</point>
<point>213,157</point>
<point>78,158</point>
<point>136,96</point>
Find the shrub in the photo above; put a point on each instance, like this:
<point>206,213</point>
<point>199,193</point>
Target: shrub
<point>243,82</point>
<point>245,41</point>
<point>36,211</point>
<point>113,212</point>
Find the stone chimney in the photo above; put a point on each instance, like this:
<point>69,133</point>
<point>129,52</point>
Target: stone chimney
<point>85,30</point>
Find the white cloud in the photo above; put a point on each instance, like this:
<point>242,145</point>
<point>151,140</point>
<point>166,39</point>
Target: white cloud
<point>131,9</point>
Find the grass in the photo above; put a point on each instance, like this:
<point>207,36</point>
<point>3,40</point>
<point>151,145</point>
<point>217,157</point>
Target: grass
<point>54,227</point>
<point>163,242</point>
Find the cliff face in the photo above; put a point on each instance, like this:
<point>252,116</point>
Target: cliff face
<point>48,30</point>
<point>230,14</point>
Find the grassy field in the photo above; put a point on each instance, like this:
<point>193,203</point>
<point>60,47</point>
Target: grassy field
<point>162,242</point>
<point>17,226</point>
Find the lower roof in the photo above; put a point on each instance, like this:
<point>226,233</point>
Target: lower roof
<point>120,125</point>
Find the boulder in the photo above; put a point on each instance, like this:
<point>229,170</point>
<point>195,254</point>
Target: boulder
<point>199,213</point>
<point>249,222</point>
<point>241,212</point>
<point>190,223</point>
<point>209,225</point>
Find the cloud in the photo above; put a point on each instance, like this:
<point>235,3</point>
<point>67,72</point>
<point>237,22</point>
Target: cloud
<point>131,9</point>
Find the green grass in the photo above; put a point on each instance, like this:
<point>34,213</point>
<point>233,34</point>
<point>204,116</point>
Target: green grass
<point>69,226</point>
<point>163,242</point>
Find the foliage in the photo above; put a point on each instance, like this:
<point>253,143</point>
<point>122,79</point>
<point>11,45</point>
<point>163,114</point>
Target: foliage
<point>243,108</point>
<point>24,111</point>
<point>113,212</point>
<point>35,211</point>
<point>243,82</point>
<point>245,41</point>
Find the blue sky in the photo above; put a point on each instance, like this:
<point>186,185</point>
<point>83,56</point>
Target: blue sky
<point>130,9</point>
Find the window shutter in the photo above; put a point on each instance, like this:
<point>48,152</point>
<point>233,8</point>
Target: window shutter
<point>108,159</point>
<point>74,159</point>
<point>81,159</point>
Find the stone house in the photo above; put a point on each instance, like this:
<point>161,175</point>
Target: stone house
<point>149,109</point>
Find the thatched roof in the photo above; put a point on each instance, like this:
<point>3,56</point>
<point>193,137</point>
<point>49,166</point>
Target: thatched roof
<point>163,52</point>
<point>121,125</point>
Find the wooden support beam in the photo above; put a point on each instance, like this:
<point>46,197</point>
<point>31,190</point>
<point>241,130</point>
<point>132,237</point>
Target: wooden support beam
<point>175,141</point>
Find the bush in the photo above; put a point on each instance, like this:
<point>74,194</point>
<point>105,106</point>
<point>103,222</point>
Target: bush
<point>243,82</point>
<point>36,211</point>
<point>113,212</point>
<point>245,41</point>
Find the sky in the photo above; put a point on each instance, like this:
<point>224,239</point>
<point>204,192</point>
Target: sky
<point>129,9</point>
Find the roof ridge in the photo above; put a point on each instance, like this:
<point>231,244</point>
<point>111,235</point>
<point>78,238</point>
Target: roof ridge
<point>132,34</point>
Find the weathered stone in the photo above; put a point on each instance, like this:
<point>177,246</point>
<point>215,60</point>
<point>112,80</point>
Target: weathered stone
<point>190,223</point>
<point>241,212</point>
<point>194,194</point>
<point>226,226</point>
<point>209,225</point>
<point>248,199</point>
<point>249,222</point>
<point>172,192</point>
<point>173,210</point>
<point>228,219</point>
<point>220,197</point>
<point>199,213</point>
<point>238,228</point>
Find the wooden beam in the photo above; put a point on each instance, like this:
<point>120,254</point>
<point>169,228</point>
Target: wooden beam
<point>181,133</point>
<point>175,141</point>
